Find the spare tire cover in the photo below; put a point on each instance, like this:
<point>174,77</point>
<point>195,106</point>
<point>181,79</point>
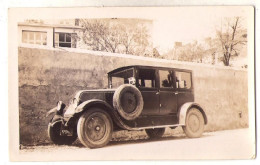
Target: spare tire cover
<point>128,101</point>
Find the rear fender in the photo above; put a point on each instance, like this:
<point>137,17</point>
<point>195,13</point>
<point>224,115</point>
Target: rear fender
<point>184,109</point>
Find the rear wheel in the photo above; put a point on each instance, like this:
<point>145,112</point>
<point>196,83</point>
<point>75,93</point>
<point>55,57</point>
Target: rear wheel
<point>54,133</point>
<point>194,124</point>
<point>155,133</point>
<point>95,128</point>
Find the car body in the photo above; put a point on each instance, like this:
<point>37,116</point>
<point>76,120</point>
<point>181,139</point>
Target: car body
<point>138,98</point>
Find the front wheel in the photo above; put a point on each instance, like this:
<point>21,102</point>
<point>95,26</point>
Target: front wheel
<point>194,124</point>
<point>155,133</point>
<point>95,128</point>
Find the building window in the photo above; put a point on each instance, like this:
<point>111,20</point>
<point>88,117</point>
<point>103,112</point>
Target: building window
<point>34,37</point>
<point>65,40</point>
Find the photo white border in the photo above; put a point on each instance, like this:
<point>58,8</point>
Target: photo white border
<point>49,3</point>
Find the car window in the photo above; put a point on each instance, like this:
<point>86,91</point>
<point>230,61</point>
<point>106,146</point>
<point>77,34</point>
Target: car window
<point>146,78</point>
<point>166,79</point>
<point>146,83</point>
<point>122,77</point>
<point>183,80</point>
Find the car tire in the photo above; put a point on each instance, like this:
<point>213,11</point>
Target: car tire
<point>57,138</point>
<point>194,124</point>
<point>95,128</point>
<point>128,101</point>
<point>155,133</point>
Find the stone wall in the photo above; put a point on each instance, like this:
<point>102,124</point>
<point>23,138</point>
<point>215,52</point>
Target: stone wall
<point>49,75</point>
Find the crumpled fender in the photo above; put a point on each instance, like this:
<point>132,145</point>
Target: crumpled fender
<point>85,105</point>
<point>184,109</point>
<point>51,112</point>
<point>89,103</point>
<point>53,122</point>
<point>57,110</point>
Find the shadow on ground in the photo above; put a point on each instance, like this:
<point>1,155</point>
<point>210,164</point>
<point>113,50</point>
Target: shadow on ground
<point>145,139</point>
<point>117,142</point>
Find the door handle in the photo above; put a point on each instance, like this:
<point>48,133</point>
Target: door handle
<point>157,93</point>
<point>176,93</point>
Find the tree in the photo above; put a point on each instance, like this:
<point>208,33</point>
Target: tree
<point>134,39</point>
<point>156,53</point>
<point>211,49</point>
<point>193,52</point>
<point>115,36</point>
<point>100,36</point>
<point>229,37</point>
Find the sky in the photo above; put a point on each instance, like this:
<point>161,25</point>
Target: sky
<point>192,23</point>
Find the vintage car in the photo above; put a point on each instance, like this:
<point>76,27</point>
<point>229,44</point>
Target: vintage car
<point>139,98</point>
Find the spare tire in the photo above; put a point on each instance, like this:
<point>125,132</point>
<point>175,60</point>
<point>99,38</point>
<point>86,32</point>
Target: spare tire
<point>128,101</point>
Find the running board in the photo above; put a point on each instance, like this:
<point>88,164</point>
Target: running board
<point>153,127</point>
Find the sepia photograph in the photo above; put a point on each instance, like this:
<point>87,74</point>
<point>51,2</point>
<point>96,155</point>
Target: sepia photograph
<point>132,83</point>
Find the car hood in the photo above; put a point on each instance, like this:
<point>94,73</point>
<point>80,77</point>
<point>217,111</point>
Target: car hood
<point>81,92</point>
<point>102,94</point>
<point>85,95</point>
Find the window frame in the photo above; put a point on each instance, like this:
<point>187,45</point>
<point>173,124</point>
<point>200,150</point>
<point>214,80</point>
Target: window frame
<point>28,40</point>
<point>57,41</point>
<point>110,76</point>
<point>138,78</point>
<point>173,80</point>
<point>191,80</point>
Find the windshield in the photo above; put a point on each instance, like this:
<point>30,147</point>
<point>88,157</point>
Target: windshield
<point>122,77</point>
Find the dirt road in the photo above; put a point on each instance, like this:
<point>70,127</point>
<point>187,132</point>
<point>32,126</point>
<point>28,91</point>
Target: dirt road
<point>229,144</point>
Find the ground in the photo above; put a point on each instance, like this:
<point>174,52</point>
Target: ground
<point>228,144</point>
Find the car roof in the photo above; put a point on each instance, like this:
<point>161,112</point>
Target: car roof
<point>143,66</point>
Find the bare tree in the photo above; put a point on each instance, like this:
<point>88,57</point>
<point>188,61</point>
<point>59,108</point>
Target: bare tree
<point>127,40</point>
<point>211,49</point>
<point>229,39</point>
<point>116,37</point>
<point>193,52</point>
<point>156,53</point>
<point>100,36</point>
<point>141,40</point>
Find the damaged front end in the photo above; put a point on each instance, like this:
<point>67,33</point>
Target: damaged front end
<point>56,111</point>
<point>58,130</point>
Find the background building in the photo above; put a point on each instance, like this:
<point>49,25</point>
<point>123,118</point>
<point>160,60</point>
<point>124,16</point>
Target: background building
<point>116,35</point>
<point>48,33</point>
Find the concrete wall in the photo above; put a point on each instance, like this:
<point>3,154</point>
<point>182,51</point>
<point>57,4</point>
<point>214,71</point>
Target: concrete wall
<point>49,75</point>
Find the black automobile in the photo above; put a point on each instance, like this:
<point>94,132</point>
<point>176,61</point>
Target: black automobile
<point>138,98</point>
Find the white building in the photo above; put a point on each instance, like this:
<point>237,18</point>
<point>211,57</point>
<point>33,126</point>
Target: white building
<point>68,33</point>
<point>57,34</point>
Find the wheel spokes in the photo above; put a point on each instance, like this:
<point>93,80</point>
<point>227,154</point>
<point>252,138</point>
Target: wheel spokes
<point>96,128</point>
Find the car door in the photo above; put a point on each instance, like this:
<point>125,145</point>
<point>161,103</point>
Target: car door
<point>167,92</point>
<point>184,87</point>
<point>146,83</point>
